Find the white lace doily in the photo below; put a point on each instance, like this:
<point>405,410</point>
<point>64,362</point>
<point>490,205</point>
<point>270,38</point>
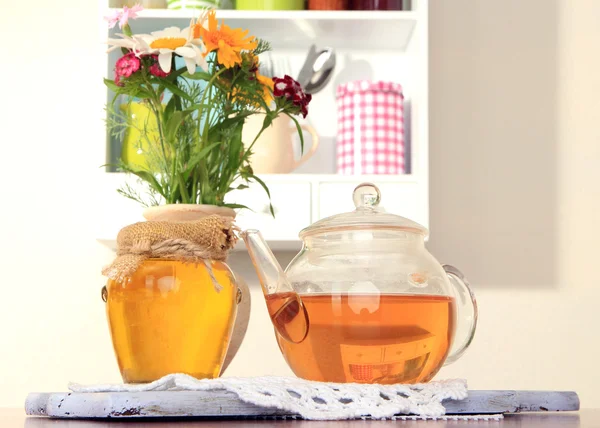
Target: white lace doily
<point>313,400</point>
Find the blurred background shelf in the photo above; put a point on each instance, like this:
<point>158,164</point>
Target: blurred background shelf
<point>370,45</point>
<point>299,29</point>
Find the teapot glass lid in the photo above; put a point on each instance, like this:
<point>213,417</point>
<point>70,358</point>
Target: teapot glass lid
<point>367,215</point>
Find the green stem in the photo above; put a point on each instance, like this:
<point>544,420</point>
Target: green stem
<point>255,139</point>
<point>184,195</point>
<point>200,183</point>
<point>127,30</point>
<point>156,107</point>
<point>203,182</point>
<point>173,166</point>
<point>206,91</point>
<point>194,194</point>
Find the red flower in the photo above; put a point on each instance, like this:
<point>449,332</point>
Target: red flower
<point>292,91</point>
<point>126,66</point>
<point>155,70</point>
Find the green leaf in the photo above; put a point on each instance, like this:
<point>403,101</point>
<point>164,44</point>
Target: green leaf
<point>112,85</point>
<point>264,105</point>
<point>243,186</point>
<point>230,122</point>
<point>264,186</point>
<point>236,149</point>
<point>169,109</point>
<point>132,197</point>
<point>196,157</point>
<point>300,134</point>
<point>183,189</point>
<point>267,122</point>
<point>147,177</point>
<point>174,89</point>
<point>198,75</point>
<point>195,107</point>
<point>175,74</point>
<point>237,206</point>
<point>112,165</point>
<point>173,124</point>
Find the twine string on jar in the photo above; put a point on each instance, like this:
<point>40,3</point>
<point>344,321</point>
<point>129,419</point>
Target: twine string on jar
<point>201,241</point>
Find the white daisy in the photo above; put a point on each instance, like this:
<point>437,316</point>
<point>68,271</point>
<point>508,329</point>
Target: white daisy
<point>133,43</point>
<point>171,41</point>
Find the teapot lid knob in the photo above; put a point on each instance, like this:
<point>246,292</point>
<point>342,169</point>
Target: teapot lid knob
<point>366,195</point>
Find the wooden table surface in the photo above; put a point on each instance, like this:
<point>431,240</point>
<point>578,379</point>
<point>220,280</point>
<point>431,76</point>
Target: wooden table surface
<point>587,418</point>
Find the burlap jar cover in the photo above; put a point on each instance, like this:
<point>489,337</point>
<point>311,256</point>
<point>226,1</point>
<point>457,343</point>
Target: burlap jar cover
<point>199,241</point>
<point>209,238</point>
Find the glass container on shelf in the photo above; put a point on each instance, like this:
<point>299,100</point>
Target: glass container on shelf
<point>328,4</point>
<point>195,4</point>
<point>371,137</point>
<point>377,4</point>
<point>146,4</point>
<point>269,4</point>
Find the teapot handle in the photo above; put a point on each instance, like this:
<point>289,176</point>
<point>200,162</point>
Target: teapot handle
<point>466,307</point>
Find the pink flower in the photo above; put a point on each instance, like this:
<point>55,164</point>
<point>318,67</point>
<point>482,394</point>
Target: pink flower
<point>123,16</point>
<point>126,66</point>
<point>113,18</point>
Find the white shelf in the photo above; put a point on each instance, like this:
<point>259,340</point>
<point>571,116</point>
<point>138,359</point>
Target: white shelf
<point>119,177</point>
<point>298,200</point>
<point>354,30</point>
<point>335,178</point>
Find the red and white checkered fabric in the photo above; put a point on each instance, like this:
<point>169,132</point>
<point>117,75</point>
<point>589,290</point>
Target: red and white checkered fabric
<point>370,138</point>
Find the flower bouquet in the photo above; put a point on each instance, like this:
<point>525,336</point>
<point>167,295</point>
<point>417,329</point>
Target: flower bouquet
<point>172,303</point>
<point>199,84</point>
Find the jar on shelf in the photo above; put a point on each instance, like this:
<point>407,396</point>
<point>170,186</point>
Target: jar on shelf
<point>193,4</point>
<point>146,4</point>
<point>328,4</point>
<point>370,128</point>
<point>269,4</point>
<point>377,4</point>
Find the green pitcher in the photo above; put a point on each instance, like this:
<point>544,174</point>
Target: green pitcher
<point>135,144</point>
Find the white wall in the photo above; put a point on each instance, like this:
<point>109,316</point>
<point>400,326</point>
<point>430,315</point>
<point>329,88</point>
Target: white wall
<point>515,150</point>
<point>514,195</point>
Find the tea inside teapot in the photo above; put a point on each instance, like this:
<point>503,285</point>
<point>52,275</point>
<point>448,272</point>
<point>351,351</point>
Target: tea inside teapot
<point>371,338</point>
<point>364,301</point>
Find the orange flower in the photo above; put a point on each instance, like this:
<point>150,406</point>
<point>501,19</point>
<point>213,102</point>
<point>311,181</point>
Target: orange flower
<point>268,85</point>
<point>226,41</point>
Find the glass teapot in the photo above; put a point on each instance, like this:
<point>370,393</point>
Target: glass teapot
<point>364,301</point>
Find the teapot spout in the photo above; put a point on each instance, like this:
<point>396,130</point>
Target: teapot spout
<point>285,307</point>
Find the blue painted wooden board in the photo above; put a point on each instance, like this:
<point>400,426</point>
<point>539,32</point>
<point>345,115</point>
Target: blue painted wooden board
<point>227,404</point>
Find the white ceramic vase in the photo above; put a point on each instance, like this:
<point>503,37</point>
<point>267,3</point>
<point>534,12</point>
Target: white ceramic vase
<point>273,152</point>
